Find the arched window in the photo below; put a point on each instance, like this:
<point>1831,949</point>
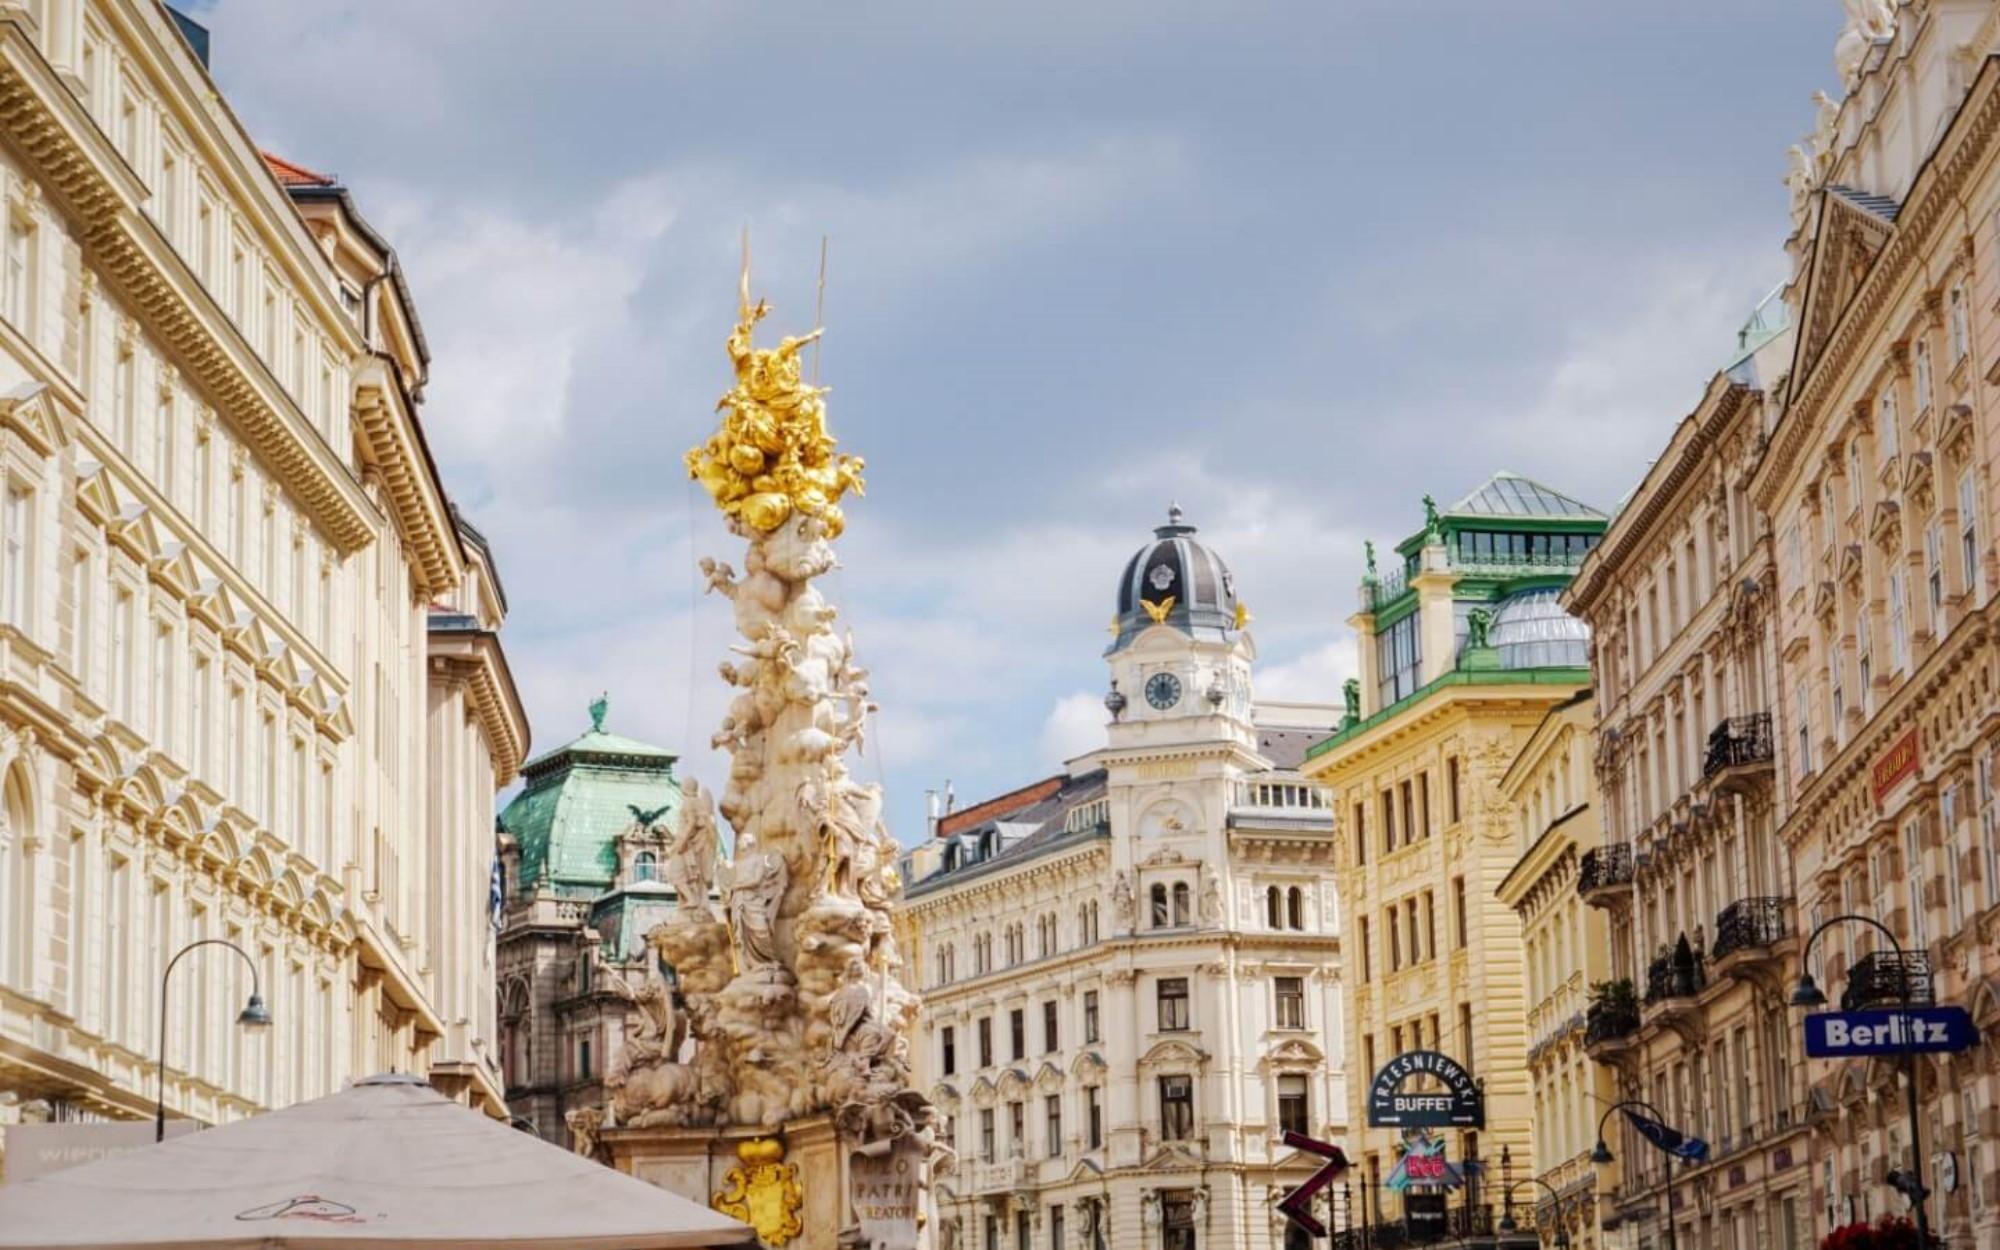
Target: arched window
<point>1182,895</point>
<point>1159,897</point>
<point>645,867</point>
<point>1295,908</point>
<point>1273,913</point>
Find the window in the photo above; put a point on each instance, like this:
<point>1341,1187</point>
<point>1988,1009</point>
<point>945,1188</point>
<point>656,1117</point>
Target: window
<point>1395,932</point>
<point>168,198</point>
<point>1052,1115</point>
<point>1968,532</point>
<point>1049,1026</point>
<point>1388,822</point>
<point>992,1224</point>
<point>1017,1032</point>
<point>1430,924</point>
<point>1864,662</point>
<point>1801,730</point>
<point>1057,1237</point>
<point>1094,1111</point>
<point>1291,996</point>
<point>986,1042</point>
<point>1158,894</point>
<point>121,657</point>
<point>1885,425</point>
<point>1922,366</point>
<point>1172,996</point>
<point>1176,1108</point>
<point>986,1136</point>
<point>20,279</point>
<point>1918,932</point>
<point>1183,897</point>
<point>1989,824</point>
<point>1956,324</point>
<point>1934,576</point>
<point>16,549</point>
<point>1294,1115</point>
<point>1090,1016</point>
<point>1367,956</point>
<point>1017,1129</point>
<point>1458,912</point>
<point>198,718</point>
<point>1424,804</point>
<point>645,866</point>
<point>1177,1221</point>
<point>1899,625</point>
<point>124,394</point>
<point>1954,880</point>
<point>948,1050</point>
<point>1399,660</point>
<point>1409,816</point>
<point>1021,1239</point>
<point>1451,789</point>
<point>163,686</point>
<point>1360,839</point>
<point>1465,1033</point>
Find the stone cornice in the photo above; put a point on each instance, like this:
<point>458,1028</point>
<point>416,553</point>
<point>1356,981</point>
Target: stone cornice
<point>475,656</point>
<point>1933,195</point>
<point>59,140</point>
<point>397,453</point>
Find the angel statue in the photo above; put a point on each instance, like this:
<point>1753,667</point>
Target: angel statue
<point>694,848</point>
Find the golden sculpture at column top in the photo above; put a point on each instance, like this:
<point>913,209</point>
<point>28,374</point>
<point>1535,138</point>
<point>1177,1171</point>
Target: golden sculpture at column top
<point>772,456</point>
<point>763,1191</point>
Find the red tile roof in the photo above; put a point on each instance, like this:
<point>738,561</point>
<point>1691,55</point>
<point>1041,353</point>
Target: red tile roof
<point>290,175</point>
<point>991,809</point>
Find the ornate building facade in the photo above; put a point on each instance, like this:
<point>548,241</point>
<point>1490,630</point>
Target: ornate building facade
<point>1879,485</point>
<point>1463,651</point>
<point>1692,879</point>
<point>1131,969</point>
<point>253,686</point>
<point>1566,952</point>
<point>583,849</point>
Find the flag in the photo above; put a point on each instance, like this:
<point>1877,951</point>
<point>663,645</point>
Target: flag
<point>496,895</point>
<point>1670,1140</point>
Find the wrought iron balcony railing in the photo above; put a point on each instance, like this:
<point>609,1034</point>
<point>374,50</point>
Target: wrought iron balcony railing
<point>1604,867</point>
<point>1740,740</point>
<point>1607,1022</point>
<point>1884,978</point>
<point>1748,923</point>
<point>1671,976</point>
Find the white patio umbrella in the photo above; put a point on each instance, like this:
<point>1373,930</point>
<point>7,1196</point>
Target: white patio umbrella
<point>386,1164</point>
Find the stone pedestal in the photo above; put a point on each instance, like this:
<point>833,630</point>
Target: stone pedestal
<point>696,1164</point>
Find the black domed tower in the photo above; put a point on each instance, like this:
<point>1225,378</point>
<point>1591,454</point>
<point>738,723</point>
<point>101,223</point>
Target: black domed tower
<point>1180,653</point>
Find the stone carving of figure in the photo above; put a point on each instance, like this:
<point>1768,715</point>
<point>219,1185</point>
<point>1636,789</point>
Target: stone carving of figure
<point>1368,547</point>
<point>1211,896</point>
<point>1198,1206</point>
<point>1149,1208</point>
<point>1121,899</point>
<point>1800,178</point>
<point>694,849</point>
<point>1478,624</point>
<point>660,1028</point>
<point>1350,694</point>
<point>584,1125</point>
<point>1867,21</point>
<point>1827,112</point>
<point>1433,530</point>
<point>758,884</point>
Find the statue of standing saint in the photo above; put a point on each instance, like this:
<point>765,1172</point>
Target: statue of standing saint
<point>757,886</point>
<point>694,848</point>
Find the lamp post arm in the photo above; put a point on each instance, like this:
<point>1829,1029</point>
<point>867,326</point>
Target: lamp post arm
<point>160,1078</point>
<point>1805,952</point>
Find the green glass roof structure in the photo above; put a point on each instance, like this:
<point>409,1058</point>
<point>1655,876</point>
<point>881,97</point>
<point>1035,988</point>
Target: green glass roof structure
<point>578,799</point>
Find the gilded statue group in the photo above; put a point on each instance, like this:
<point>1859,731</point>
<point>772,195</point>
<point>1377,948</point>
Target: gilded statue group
<point>790,997</point>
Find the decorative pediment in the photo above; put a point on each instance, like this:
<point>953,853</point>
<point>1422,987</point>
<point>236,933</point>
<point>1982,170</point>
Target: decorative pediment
<point>944,1094</point>
<point>1165,857</point>
<point>96,492</point>
<point>1086,1169</point>
<point>1825,600</point>
<point>1172,1156</point>
<point>1853,229</point>
<point>1050,1077</point>
<point>338,721</point>
<point>1917,478</point>
<point>1088,1063</point>
<point>1954,434</point>
<point>215,603</point>
<point>246,635</point>
<point>984,1093</point>
<point>176,569</point>
<point>1885,523</point>
<point>29,410</point>
<point>1174,1052</point>
<point>138,531</point>
<point>1850,564</point>
<point>1014,1081</point>
<point>1294,1050</point>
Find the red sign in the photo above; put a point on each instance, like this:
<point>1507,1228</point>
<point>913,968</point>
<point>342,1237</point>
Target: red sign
<point>1897,764</point>
<point>1425,1168</point>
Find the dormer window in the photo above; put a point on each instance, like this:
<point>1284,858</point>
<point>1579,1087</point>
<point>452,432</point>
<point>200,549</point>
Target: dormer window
<point>645,867</point>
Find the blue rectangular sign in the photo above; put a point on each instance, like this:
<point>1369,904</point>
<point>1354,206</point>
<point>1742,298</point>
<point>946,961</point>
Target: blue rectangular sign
<point>1921,1030</point>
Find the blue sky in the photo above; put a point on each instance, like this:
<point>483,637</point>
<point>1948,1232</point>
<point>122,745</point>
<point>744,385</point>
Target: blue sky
<point>1293,265</point>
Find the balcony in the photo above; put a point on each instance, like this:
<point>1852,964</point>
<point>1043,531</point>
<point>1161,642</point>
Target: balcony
<point>1605,873</point>
<point>1608,1027</point>
<point>1886,979</point>
<point>1004,1176</point>
<point>1675,974</point>
<point>1741,752</point>
<point>1749,928</point>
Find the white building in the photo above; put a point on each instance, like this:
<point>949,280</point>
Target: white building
<point>250,682</point>
<point>1131,969</point>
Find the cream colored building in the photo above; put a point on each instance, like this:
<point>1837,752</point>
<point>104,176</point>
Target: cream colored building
<point>1426,836</point>
<point>1695,885</point>
<point>250,679</point>
<point>1566,951</point>
<point>1880,484</point>
<point>1132,969</point>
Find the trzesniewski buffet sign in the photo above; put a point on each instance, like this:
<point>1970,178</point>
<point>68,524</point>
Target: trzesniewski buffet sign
<point>1460,1104</point>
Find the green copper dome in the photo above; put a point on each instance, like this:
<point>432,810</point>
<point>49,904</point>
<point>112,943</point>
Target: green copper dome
<point>578,799</point>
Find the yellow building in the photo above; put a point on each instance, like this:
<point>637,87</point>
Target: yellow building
<point>1464,651</point>
<point>1570,976</point>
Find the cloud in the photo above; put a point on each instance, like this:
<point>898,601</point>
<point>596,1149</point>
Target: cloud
<point>1075,726</point>
<point>1314,677</point>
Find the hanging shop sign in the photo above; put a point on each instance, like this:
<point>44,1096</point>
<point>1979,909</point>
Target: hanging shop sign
<point>1460,1104</point>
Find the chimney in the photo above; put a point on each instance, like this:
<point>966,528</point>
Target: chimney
<point>933,808</point>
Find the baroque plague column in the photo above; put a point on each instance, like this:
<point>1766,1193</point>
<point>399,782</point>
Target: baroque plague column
<point>792,996</point>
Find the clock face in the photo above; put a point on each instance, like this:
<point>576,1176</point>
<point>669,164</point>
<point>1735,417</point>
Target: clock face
<point>1163,690</point>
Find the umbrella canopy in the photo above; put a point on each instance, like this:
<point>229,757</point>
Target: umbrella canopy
<point>386,1163</point>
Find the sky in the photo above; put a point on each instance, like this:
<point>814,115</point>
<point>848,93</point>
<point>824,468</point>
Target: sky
<point>1293,266</point>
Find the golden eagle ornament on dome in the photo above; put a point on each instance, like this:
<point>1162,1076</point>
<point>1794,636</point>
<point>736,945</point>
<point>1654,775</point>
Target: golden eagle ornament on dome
<point>773,457</point>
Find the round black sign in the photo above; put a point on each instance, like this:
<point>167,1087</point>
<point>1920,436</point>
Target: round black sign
<point>1459,1104</point>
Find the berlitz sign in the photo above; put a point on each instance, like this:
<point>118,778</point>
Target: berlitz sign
<point>1916,1030</point>
<point>1459,1104</point>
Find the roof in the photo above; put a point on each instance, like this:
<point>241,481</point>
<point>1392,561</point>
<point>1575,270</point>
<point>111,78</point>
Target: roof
<point>578,800</point>
<point>1286,748</point>
<point>997,808</point>
<point>290,174</point>
<point>1511,495</point>
<point>1868,202</point>
<point>1014,831</point>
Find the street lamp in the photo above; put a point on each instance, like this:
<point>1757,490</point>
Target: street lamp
<point>1600,1154</point>
<point>1507,1224</point>
<point>1808,994</point>
<point>253,1017</point>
